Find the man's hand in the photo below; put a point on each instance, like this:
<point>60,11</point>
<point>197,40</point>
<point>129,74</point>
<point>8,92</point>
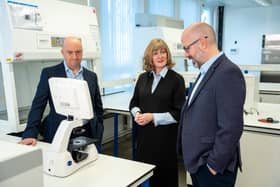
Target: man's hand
<point>28,141</point>
<point>212,171</point>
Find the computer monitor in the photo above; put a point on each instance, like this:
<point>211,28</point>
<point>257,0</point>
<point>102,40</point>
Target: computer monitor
<point>71,97</point>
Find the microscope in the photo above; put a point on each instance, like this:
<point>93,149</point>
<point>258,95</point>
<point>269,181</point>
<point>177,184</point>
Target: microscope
<point>66,155</point>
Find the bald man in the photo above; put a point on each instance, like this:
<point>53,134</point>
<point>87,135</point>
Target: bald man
<point>70,67</point>
<point>212,118</point>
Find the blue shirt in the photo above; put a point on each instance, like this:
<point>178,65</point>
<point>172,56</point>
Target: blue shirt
<point>70,74</point>
<point>203,70</point>
<point>159,118</point>
<point>79,76</point>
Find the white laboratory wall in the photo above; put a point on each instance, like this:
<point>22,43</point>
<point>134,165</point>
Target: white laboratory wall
<point>159,7</point>
<point>189,11</point>
<point>246,26</point>
<point>139,6</point>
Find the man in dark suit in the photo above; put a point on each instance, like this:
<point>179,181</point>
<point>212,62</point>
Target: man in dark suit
<point>72,52</point>
<point>212,118</point>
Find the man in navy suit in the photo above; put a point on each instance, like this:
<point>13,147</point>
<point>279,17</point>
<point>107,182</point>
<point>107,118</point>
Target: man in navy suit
<point>212,118</point>
<point>72,52</point>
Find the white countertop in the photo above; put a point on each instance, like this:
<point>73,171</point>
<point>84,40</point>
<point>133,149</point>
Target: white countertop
<point>119,101</point>
<point>105,171</point>
<point>265,110</point>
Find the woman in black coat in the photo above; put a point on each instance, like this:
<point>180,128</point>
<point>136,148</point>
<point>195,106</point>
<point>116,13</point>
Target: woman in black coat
<point>156,104</point>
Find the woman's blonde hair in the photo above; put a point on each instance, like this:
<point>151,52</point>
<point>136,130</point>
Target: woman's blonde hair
<point>154,45</point>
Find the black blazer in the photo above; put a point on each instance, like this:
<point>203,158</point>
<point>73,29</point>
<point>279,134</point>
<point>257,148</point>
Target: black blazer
<point>212,124</point>
<point>157,145</point>
<point>52,121</point>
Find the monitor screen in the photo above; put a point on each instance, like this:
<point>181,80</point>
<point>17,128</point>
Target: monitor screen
<point>71,97</point>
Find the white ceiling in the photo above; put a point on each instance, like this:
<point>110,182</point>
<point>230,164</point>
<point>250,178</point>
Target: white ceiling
<point>238,3</point>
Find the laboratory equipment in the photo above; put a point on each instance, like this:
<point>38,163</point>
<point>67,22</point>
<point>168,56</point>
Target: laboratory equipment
<point>252,93</point>
<point>35,29</point>
<point>271,55</point>
<point>148,20</point>
<point>71,98</point>
<point>31,40</point>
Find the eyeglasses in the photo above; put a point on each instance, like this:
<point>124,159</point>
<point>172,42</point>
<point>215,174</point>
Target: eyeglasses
<point>187,48</point>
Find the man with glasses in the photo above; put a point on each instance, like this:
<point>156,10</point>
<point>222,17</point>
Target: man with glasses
<point>212,118</point>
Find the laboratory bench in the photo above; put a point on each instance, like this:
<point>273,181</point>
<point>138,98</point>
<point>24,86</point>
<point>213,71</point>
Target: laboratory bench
<point>260,150</point>
<point>105,171</point>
